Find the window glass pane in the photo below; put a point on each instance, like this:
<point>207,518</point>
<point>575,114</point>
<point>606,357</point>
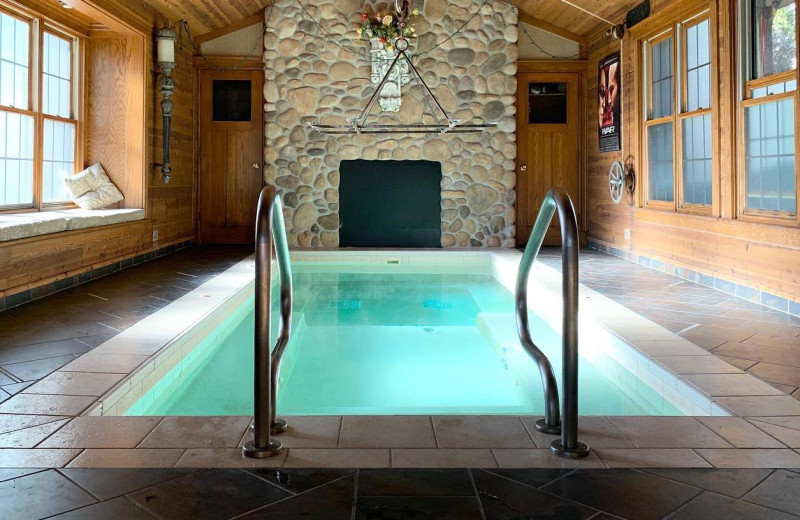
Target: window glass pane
<point>769,156</point>
<point>547,103</point>
<point>659,162</point>
<point>698,65</point>
<point>774,35</point>
<point>14,72</point>
<point>16,159</point>
<point>661,85</point>
<point>57,58</point>
<point>696,135</point>
<point>775,88</point>
<point>59,159</point>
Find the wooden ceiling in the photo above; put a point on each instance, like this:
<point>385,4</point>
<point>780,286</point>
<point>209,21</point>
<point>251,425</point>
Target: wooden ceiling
<point>569,18</point>
<point>205,16</point>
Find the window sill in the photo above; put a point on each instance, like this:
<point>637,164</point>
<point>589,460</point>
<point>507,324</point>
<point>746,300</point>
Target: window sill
<point>15,226</point>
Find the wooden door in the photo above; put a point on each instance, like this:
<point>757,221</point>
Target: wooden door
<point>548,149</point>
<point>231,155</point>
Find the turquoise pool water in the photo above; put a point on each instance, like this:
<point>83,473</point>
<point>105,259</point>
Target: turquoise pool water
<point>390,343</point>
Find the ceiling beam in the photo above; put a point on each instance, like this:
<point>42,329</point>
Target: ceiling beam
<point>235,26</point>
<point>554,29</point>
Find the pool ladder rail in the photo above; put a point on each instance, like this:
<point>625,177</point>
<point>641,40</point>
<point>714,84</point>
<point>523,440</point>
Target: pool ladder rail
<point>270,233</point>
<point>568,445</point>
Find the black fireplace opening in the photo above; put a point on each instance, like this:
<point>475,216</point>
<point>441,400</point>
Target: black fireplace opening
<point>390,204</point>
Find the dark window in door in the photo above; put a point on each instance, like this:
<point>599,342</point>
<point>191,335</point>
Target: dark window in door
<point>547,103</point>
<point>231,100</point>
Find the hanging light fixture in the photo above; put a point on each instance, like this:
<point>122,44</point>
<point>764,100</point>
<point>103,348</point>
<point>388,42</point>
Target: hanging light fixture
<point>444,124</point>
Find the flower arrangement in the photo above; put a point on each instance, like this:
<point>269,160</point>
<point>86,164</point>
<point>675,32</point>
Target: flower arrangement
<point>385,27</point>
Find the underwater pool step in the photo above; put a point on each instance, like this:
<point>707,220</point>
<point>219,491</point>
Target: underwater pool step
<point>345,305</point>
<point>437,304</point>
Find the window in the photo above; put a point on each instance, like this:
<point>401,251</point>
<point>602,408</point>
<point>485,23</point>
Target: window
<point>769,187</point>
<point>38,113</point>
<point>677,129</point>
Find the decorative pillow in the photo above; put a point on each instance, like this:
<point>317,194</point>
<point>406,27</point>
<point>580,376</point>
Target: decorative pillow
<point>92,189</point>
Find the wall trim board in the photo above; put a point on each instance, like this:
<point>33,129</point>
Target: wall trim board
<point>71,279</point>
<point>732,288</point>
<point>758,255</point>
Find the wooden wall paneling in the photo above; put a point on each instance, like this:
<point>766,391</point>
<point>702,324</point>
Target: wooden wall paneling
<point>25,263</point>
<point>757,254</point>
<point>106,115</point>
<point>125,133</point>
<point>136,113</point>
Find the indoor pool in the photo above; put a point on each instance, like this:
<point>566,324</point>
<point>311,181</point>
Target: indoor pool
<point>371,340</point>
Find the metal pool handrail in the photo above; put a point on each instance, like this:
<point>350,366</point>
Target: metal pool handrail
<point>568,446</point>
<point>270,230</point>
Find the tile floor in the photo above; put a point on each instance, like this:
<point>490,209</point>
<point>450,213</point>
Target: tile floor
<point>759,340</point>
<point>42,336</point>
<point>402,494</point>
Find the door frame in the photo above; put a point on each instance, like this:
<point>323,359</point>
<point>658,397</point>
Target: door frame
<point>580,68</point>
<point>201,65</point>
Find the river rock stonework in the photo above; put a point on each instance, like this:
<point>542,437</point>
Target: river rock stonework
<point>310,78</point>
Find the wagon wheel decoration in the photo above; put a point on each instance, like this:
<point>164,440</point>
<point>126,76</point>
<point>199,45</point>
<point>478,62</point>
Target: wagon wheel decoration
<point>619,181</point>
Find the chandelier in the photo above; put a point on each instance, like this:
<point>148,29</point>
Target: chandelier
<point>443,123</point>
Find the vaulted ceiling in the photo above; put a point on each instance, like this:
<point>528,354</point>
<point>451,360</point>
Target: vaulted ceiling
<point>569,18</point>
<point>205,16</point>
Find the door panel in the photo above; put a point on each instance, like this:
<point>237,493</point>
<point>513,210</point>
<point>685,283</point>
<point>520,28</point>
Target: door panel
<point>548,154</point>
<point>231,151</point>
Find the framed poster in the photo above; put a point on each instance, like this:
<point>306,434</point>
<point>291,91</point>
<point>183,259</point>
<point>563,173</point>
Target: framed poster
<point>608,104</point>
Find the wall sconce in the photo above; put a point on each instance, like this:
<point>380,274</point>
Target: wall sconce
<point>165,42</point>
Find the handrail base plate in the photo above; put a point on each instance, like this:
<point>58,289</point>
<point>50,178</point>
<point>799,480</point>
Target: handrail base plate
<point>250,450</point>
<point>542,426</point>
<point>579,452</point>
<point>276,428</point>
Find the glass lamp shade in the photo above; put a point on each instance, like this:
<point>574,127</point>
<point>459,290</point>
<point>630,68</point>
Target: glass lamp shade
<point>165,42</point>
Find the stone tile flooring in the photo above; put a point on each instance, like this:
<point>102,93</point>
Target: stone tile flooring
<point>759,340</point>
<point>398,493</point>
<point>42,336</point>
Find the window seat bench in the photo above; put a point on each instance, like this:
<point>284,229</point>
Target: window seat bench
<point>14,226</point>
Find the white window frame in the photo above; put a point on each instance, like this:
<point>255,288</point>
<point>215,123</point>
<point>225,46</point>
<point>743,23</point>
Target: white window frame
<point>38,27</point>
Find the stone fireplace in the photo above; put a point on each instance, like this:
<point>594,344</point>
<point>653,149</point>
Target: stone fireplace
<point>309,78</point>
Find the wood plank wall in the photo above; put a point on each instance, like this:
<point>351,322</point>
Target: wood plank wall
<point>28,263</point>
<point>762,256</point>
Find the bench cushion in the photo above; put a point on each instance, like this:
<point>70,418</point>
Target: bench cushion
<point>89,218</point>
<point>26,225</point>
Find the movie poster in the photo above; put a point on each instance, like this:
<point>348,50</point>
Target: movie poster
<point>608,104</point>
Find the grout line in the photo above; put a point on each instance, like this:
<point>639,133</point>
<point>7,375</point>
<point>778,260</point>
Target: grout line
<point>433,430</point>
<point>291,495</point>
<point>354,507</point>
<point>477,494</point>
<point>80,452</point>
<point>705,459</point>
<point>686,504</point>
<point>772,472</point>
<point>66,422</point>
<point>139,506</point>
<point>60,472</point>
<point>139,444</point>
